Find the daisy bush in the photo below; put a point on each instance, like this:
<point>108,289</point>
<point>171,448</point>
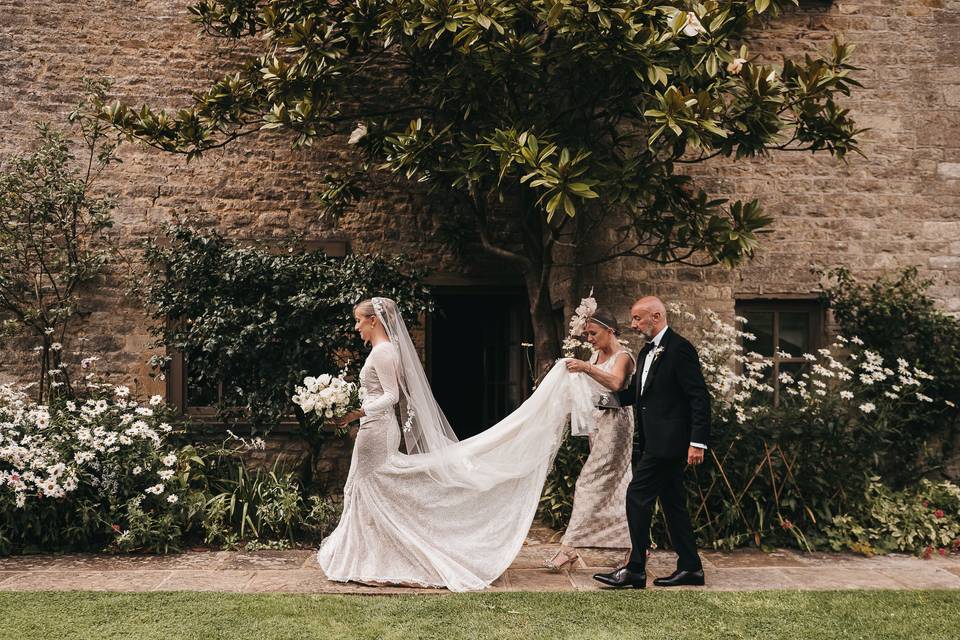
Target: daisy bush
<point>782,472</point>
<point>96,469</point>
<point>94,472</point>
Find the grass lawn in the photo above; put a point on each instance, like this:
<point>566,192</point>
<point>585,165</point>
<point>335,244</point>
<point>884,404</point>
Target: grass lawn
<point>930,615</point>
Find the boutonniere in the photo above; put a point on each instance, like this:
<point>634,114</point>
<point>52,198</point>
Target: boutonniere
<point>656,354</point>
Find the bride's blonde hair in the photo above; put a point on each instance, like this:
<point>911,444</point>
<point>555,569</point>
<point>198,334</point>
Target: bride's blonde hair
<point>365,307</point>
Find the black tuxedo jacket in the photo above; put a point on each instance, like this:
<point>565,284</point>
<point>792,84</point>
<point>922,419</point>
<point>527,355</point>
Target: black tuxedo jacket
<point>673,409</point>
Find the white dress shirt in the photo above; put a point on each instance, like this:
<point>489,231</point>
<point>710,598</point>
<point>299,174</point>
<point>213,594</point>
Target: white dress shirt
<point>648,362</point>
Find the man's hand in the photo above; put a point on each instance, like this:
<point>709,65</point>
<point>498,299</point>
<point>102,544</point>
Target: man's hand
<point>694,455</point>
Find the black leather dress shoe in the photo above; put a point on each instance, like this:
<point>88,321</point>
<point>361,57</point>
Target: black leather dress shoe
<point>681,578</point>
<point>622,577</point>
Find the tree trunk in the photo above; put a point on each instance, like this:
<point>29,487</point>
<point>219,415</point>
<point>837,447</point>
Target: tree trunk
<point>546,342</point>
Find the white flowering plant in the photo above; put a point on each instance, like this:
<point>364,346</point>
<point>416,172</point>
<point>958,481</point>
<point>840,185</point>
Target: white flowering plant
<point>75,470</point>
<point>737,378</point>
<point>780,471</point>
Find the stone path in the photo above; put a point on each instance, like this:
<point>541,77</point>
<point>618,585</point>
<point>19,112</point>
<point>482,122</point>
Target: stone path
<point>296,571</point>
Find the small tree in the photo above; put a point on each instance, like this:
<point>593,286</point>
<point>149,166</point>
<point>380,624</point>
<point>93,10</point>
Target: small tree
<point>548,122</point>
<point>52,234</point>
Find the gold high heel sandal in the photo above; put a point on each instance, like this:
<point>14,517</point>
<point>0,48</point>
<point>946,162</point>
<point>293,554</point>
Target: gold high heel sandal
<point>561,560</point>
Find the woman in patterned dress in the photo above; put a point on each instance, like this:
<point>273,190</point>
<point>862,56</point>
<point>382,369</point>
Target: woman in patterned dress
<point>599,517</point>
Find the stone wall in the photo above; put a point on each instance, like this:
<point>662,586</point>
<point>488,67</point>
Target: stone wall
<point>899,206</point>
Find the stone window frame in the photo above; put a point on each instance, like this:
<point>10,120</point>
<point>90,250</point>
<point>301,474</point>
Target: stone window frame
<point>177,377</point>
<point>817,337</point>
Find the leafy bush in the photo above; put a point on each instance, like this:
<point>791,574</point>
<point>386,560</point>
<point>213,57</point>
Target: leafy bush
<point>259,322</point>
<point>86,474</point>
<point>106,472</point>
<point>923,520</point>
<point>896,317</point>
<point>261,507</point>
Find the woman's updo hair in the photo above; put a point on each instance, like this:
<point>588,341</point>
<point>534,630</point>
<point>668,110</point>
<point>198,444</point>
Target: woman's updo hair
<point>365,307</point>
<point>605,319</point>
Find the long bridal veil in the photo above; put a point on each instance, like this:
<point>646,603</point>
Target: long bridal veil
<point>451,513</point>
<point>512,448</point>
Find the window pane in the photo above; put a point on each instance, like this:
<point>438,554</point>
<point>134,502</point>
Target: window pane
<point>760,324</point>
<point>200,392</point>
<point>795,332</point>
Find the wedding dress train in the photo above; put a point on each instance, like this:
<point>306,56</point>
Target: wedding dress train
<point>456,514</point>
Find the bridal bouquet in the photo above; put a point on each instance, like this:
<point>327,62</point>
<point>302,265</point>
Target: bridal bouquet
<point>328,396</point>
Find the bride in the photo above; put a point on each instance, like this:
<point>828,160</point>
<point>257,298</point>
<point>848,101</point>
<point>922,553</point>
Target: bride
<point>447,513</point>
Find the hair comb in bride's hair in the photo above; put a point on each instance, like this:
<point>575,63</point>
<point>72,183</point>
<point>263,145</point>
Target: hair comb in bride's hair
<point>378,305</point>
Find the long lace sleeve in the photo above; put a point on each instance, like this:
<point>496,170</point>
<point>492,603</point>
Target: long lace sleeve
<point>384,363</point>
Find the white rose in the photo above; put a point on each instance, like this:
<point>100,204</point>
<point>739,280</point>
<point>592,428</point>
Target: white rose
<point>325,379</point>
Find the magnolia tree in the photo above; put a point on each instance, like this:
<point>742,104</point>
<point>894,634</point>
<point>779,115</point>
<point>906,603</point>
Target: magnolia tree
<point>546,123</point>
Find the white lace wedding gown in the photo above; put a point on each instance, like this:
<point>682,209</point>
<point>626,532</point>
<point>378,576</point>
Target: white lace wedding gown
<point>455,518</point>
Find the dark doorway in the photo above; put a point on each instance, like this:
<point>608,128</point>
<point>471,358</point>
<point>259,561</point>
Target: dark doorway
<point>478,366</point>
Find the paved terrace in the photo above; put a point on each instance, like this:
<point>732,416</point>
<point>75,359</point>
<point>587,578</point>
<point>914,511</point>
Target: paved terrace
<point>296,571</point>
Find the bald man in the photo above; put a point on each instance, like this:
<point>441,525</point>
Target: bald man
<point>672,413</point>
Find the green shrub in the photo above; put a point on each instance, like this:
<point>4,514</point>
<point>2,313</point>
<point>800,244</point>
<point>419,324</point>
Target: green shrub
<point>89,473</point>
<point>103,472</point>
<point>259,321</point>
<point>897,318</point>
<point>922,520</point>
